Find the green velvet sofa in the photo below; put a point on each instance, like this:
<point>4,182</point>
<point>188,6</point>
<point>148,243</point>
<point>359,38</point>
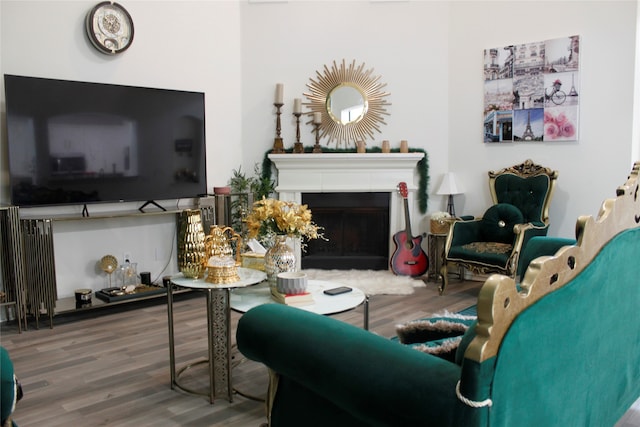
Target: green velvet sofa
<point>561,348</point>
<point>10,389</point>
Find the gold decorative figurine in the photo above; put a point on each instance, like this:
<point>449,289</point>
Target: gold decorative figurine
<point>221,263</point>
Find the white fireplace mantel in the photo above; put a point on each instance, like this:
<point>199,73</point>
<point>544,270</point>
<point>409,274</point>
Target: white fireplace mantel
<point>350,172</point>
<point>345,172</point>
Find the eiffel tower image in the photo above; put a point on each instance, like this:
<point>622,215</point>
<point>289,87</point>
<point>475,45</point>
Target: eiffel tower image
<point>528,133</point>
<point>573,91</point>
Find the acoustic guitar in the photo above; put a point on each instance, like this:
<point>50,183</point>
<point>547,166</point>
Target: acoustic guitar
<point>408,259</point>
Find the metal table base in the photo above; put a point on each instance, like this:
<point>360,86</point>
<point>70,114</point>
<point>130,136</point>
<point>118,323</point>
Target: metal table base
<point>219,346</point>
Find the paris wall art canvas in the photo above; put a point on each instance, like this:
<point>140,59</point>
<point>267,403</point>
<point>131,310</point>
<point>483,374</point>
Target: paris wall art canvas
<point>532,91</point>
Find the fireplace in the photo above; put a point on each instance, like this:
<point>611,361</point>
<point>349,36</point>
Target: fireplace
<point>356,226</point>
<point>351,173</point>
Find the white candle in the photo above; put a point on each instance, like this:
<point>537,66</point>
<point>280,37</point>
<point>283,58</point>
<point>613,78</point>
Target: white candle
<point>279,93</point>
<point>317,117</point>
<point>297,106</point>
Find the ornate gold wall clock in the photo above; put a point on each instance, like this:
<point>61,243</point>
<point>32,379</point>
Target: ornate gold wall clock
<point>109,27</point>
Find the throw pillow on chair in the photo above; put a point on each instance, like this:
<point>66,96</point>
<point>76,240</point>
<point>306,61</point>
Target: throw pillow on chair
<point>498,221</point>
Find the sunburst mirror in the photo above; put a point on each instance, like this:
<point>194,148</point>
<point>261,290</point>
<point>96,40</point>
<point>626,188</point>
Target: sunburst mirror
<point>351,100</point>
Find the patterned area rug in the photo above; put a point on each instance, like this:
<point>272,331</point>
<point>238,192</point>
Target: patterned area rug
<point>371,282</point>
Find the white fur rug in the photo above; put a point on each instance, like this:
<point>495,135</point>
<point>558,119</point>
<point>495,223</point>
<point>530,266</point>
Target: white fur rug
<point>371,282</point>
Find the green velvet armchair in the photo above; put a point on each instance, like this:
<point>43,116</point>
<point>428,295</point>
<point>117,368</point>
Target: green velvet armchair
<point>493,243</point>
<point>559,349</point>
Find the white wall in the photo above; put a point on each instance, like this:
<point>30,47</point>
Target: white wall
<point>430,55</point>
<point>404,42</point>
<point>428,52</point>
<point>635,150</point>
<point>590,169</point>
<point>188,45</point>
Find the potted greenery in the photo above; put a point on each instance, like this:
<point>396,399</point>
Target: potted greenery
<point>245,190</point>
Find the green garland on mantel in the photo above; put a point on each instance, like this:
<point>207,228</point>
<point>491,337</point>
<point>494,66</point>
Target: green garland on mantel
<point>423,168</point>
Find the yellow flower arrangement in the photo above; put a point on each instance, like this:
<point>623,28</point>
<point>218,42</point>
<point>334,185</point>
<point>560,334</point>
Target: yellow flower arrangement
<point>276,217</point>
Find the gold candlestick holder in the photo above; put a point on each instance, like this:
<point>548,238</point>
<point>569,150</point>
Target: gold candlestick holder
<point>297,146</point>
<point>317,148</point>
<point>278,145</point>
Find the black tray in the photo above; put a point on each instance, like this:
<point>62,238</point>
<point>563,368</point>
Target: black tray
<point>140,292</point>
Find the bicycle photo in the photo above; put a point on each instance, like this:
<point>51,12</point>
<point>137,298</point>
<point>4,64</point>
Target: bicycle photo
<point>556,96</point>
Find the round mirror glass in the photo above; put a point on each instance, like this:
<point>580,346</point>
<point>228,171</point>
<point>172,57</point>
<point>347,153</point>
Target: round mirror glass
<point>346,104</point>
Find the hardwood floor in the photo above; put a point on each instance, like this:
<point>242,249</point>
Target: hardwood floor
<point>111,367</point>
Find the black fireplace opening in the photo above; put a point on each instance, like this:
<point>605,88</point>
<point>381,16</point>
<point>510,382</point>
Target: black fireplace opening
<point>356,226</point>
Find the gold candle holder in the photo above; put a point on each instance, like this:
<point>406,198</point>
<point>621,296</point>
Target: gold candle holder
<point>317,148</point>
<point>278,145</point>
<point>297,146</point>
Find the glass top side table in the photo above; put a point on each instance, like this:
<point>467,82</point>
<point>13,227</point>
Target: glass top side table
<point>218,331</point>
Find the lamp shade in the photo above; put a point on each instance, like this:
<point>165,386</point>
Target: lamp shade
<point>449,185</point>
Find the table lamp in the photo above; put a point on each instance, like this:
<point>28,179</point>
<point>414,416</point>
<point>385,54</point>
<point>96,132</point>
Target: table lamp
<point>449,186</point>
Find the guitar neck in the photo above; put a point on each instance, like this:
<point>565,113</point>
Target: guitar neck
<point>407,219</point>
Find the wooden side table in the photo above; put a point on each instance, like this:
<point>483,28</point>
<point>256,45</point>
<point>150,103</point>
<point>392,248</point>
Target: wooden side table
<point>436,244</point>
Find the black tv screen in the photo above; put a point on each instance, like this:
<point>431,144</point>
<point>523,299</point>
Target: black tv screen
<point>77,142</point>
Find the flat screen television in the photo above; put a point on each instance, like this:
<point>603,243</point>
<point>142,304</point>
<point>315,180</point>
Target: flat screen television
<point>73,142</point>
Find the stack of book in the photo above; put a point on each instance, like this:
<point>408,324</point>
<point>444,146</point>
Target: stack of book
<point>292,299</point>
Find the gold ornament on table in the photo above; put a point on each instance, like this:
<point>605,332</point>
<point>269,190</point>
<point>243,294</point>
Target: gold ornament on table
<point>222,261</point>
<point>191,250</point>
<point>108,264</point>
<point>278,220</point>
